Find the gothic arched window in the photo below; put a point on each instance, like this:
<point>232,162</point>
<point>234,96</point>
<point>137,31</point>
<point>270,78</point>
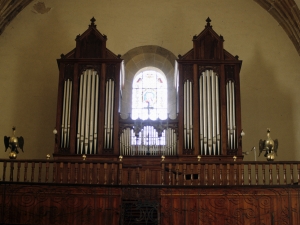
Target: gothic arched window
<point>149,94</point>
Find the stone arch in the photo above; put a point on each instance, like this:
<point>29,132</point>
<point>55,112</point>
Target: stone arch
<point>148,56</point>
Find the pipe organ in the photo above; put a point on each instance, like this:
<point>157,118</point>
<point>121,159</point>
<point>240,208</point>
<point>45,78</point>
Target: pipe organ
<point>89,90</point>
<point>208,121</point>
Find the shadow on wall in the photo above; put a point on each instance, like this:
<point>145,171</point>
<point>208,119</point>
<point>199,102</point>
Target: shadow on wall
<point>148,56</point>
<point>265,105</point>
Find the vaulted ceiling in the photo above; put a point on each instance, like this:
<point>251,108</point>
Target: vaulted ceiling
<point>286,13</point>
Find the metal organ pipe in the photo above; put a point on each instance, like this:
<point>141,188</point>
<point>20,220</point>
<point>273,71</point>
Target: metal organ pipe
<point>228,114</point>
<point>96,112</point>
<point>204,100</point>
<point>82,119</point>
<point>190,115</point>
<point>209,113</point>
<point>184,116</point>
<point>218,117</point>
<point>109,111</point>
<point>109,99</point>
<point>87,113</point>
<point>231,127</point>
<point>187,115</point>
<point>209,117</point>
<point>201,114</point>
<point>233,116</point>
<point>69,113</point>
<point>63,117</point>
<point>112,113</point>
<point>188,119</point>
<point>106,108</point>
<point>129,145</point>
<point>213,110</point>
<point>79,117</point>
<point>66,114</point>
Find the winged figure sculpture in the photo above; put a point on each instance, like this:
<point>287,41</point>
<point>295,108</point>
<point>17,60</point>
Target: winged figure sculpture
<point>269,145</point>
<point>13,142</point>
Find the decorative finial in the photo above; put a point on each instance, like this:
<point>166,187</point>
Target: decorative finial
<point>208,20</point>
<point>83,157</point>
<point>93,21</point>
<point>48,156</point>
<point>163,158</point>
<point>120,158</point>
<point>234,158</point>
<point>199,158</point>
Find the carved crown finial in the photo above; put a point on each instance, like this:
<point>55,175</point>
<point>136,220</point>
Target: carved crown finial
<point>208,20</point>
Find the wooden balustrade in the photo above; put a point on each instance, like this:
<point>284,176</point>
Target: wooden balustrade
<point>163,173</point>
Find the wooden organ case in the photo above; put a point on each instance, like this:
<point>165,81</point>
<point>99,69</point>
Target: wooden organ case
<point>208,123</point>
<point>209,99</point>
<point>88,98</point>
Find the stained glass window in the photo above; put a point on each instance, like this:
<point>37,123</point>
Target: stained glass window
<point>149,95</point>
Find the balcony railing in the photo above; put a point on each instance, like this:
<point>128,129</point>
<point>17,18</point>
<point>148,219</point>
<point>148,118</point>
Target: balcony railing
<point>165,173</point>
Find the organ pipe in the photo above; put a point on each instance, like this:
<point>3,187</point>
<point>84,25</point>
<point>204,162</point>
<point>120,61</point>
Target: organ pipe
<point>66,114</point>
<point>109,109</point>
<point>188,119</point>
<point>231,127</point>
<point>209,113</point>
<point>87,113</point>
<point>201,114</point>
<point>131,145</point>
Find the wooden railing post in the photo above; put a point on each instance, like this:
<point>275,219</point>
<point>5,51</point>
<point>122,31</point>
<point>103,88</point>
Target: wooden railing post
<point>18,173</point>
<point>91,173</point>
<point>11,176</point>
<point>76,173</point>
<point>277,174</point>
<point>4,171</point>
<point>162,173</point>
<point>120,173</point>
<point>284,173</point>
<point>170,173</point>
<point>69,173</point>
<point>199,173</point>
<point>227,174</point>
<point>270,174</point>
<point>292,173</point>
<point>40,172</point>
<point>256,174</point>
<point>61,172</point>
<point>32,171</point>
